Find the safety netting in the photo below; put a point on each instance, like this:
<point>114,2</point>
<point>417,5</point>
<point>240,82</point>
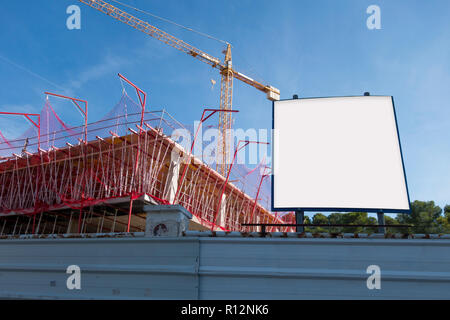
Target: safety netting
<point>140,164</point>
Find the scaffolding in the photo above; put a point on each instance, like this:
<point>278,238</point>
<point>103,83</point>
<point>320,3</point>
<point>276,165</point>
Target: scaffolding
<point>97,177</point>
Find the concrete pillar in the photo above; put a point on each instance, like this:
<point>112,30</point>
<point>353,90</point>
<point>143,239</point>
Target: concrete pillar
<point>166,220</point>
<point>72,227</point>
<point>258,220</point>
<point>172,177</point>
<point>222,214</point>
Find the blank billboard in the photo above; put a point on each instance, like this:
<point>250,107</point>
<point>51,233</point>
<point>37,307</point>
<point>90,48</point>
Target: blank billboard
<point>337,154</point>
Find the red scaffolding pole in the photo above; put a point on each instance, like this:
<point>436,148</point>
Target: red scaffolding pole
<point>202,119</point>
<point>75,102</point>
<point>28,115</point>
<point>264,175</point>
<point>142,100</point>
<point>246,143</point>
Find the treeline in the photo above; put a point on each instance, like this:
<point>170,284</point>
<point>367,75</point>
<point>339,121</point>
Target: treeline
<point>426,217</point>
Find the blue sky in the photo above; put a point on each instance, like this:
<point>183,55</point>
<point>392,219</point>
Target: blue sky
<point>312,48</point>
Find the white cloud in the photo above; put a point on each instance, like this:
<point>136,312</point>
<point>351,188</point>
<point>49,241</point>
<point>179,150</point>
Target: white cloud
<point>97,71</point>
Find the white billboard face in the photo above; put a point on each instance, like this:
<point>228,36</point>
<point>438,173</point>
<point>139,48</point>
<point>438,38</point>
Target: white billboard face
<point>339,154</point>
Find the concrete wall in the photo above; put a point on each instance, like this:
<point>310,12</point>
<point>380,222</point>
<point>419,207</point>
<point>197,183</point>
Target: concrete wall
<point>225,268</point>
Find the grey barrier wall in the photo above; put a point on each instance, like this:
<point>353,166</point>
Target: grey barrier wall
<point>193,267</point>
<point>323,268</point>
<point>123,268</point>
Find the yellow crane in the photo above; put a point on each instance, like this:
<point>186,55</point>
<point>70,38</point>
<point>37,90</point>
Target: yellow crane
<point>225,68</point>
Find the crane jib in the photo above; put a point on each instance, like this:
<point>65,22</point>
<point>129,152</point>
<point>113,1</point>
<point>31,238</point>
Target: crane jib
<point>226,71</point>
<point>118,14</point>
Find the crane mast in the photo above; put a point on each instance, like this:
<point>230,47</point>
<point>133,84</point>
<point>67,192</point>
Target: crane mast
<point>225,68</point>
<point>225,120</point>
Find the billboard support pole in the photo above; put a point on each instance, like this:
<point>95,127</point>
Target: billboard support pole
<point>299,219</point>
<point>380,217</point>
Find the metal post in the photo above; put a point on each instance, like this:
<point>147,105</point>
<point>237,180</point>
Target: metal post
<point>264,175</point>
<point>79,220</point>
<point>263,230</point>
<point>34,223</point>
<point>299,218</point>
<point>130,212</point>
<point>380,216</point>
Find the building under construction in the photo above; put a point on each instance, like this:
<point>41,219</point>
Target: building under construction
<point>96,178</point>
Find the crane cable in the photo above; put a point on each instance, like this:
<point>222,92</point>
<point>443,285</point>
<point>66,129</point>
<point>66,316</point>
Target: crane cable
<point>172,22</point>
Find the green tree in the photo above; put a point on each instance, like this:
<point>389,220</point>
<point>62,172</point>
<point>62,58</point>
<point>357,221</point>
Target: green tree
<point>319,218</point>
<point>392,221</point>
<point>445,220</point>
<point>335,218</point>
<point>425,217</point>
<point>358,218</point>
<point>353,218</point>
<point>307,220</point>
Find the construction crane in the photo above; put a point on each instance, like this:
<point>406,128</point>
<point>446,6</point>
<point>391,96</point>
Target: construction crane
<point>225,68</point>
